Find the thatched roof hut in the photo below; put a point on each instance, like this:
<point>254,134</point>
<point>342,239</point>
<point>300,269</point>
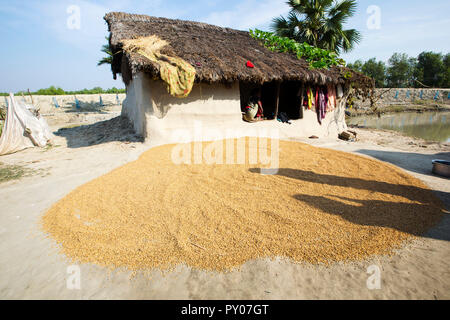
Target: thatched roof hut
<point>218,54</point>
<point>220,79</point>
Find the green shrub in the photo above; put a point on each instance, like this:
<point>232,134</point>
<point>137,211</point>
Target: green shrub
<point>317,58</point>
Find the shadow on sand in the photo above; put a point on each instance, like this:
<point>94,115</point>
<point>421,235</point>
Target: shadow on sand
<point>415,162</point>
<point>405,217</point>
<point>115,129</point>
<point>86,107</point>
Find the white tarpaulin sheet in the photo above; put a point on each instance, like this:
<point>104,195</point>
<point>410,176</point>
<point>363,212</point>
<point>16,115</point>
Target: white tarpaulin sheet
<point>22,129</point>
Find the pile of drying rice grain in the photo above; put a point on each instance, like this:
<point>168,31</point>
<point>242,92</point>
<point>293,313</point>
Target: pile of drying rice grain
<point>322,206</point>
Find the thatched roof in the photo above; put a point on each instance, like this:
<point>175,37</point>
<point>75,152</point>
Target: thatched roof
<point>218,54</point>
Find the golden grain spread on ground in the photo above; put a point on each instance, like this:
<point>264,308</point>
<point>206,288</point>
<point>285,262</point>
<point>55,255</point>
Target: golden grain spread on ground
<point>321,206</point>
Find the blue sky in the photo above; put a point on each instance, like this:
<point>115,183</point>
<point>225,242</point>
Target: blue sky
<point>39,50</point>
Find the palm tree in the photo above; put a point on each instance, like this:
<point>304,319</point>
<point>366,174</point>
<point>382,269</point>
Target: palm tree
<point>319,23</point>
<point>109,58</point>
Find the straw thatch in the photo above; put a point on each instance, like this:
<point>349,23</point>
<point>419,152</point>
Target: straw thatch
<point>218,54</point>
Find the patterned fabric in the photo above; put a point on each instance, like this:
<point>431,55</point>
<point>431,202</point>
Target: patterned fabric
<point>321,106</point>
<point>331,98</point>
<point>251,111</point>
<point>310,98</point>
<point>177,73</point>
<point>179,76</point>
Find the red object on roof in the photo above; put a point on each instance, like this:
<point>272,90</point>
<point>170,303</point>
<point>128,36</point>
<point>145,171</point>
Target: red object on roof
<point>249,64</point>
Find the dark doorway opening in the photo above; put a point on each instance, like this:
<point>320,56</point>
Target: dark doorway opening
<point>269,99</point>
<point>290,99</point>
<point>268,96</point>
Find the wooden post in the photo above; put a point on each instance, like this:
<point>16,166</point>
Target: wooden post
<point>277,102</point>
<point>32,102</point>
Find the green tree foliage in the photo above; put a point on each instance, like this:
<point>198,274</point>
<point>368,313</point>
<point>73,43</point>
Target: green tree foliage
<point>52,90</point>
<point>357,65</point>
<point>430,69</point>
<point>446,81</point>
<point>372,68</point>
<point>56,91</point>
<point>320,24</point>
<point>109,55</point>
<point>376,70</point>
<point>400,71</point>
<point>317,58</point>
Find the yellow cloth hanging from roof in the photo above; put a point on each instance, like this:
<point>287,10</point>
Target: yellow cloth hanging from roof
<point>310,98</point>
<point>177,73</point>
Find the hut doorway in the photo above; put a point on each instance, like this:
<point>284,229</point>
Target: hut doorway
<point>268,96</point>
<point>269,99</point>
<point>290,99</point>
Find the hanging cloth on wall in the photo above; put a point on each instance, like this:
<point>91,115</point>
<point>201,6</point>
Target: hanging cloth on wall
<point>331,97</point>
<point>316,101</point>
<point>177,73</point>
<point>319,117</point>
<point>321,106</point>
<point>310,98</point>
<point>323,101</point>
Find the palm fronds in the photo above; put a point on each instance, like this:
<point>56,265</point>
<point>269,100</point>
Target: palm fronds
<point>319,23</point>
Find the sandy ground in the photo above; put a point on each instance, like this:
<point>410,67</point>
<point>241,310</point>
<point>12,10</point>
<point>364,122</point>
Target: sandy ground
<point>31,268</point>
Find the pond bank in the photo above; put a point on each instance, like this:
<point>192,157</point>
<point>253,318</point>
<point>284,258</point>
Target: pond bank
<point>430,126</point>
<point>402,99</point>
<point>417,108</point>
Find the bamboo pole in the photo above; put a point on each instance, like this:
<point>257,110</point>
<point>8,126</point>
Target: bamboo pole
<point>302,100</point>
<point>32,102</point>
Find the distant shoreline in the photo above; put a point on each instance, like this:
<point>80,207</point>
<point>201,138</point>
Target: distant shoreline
<point>397,108</point>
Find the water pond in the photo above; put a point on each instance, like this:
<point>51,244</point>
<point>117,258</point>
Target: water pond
<point>431,126</point>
